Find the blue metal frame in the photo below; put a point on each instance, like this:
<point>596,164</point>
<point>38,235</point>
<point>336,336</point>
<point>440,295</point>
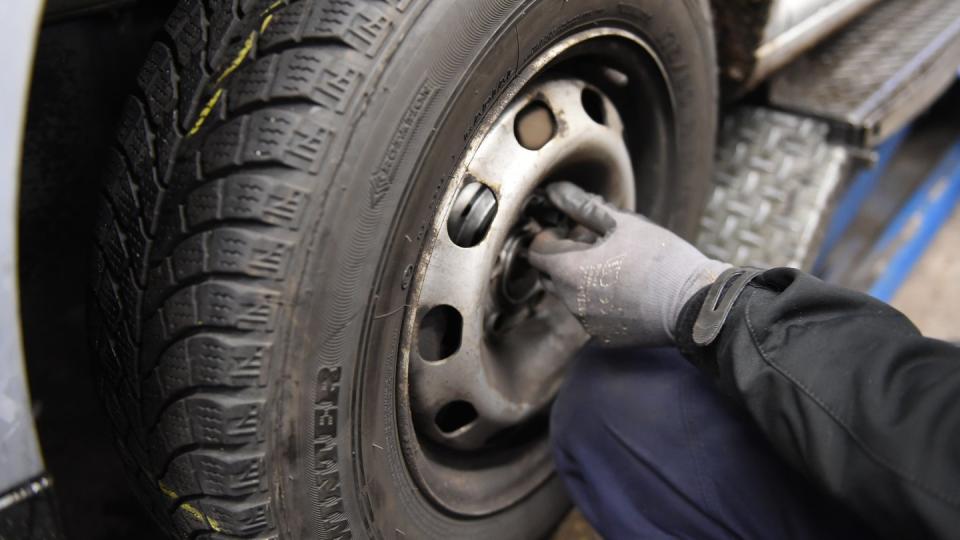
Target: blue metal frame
<point>857,195</point>
<point>914,228</point>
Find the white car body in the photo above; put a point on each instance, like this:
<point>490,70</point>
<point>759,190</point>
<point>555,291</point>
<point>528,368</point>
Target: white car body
<point>20,459</point>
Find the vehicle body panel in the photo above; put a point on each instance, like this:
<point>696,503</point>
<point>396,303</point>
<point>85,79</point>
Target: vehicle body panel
<point>19,451</point>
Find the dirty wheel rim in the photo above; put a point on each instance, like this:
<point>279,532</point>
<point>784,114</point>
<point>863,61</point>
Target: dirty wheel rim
<point>485,349</point>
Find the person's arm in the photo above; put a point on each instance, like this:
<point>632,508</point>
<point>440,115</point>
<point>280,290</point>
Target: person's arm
<point>849,392</point>
<point>842,384</point>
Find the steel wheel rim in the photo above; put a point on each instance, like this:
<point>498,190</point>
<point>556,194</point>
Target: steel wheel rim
<point>515,471</point>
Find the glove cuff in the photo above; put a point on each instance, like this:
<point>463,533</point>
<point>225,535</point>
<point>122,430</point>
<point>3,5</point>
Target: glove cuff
<point>707,271</point>
<point>703,316</point>
<point>718,303</point>
<point>697,355</point>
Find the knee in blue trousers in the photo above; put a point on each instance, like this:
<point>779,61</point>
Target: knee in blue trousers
<point>649,449</point>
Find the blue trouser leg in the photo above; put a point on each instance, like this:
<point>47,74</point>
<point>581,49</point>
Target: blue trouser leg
<point>649,449</point>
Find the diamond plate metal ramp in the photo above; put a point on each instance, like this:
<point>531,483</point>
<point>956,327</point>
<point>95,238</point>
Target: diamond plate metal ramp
<point>879,73</point>
<point>776,180</point>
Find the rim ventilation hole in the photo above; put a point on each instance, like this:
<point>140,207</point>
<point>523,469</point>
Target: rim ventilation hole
<point>534,126</point>
<point>441,330</point>
<point>593,104</point>
<point>455,415</point>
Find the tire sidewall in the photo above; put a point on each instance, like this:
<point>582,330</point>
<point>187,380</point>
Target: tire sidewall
<point>336,444</point>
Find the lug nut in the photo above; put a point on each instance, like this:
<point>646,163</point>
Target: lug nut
<point>472,214</point>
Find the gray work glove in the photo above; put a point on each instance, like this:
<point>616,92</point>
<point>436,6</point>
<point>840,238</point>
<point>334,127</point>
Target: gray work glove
<point>628,284</point>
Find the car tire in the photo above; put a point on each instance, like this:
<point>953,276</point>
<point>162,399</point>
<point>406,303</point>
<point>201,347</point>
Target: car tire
<point>273,184</point>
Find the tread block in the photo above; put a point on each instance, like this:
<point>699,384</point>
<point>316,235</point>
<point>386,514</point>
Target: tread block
<point>223,146</point>
<point>222,17</point>
<point>187,523</point>
<point>130,294</point>
<point>120,190</point>
<point>268,136</point>
<point>211,420</point>
<point>210,472</point>
<point>220,304</point>
<point>251,83</point>
<point>362,26</point>
<point>110,241</point>
<point>222,517</point>
<point>232,250</point>
<point>239,518</point>
<point>212,304</point>
<point>286,25</point>
<point>112,366</point>
<point>159,281</point>
<point>119,420</point>
<point>171,227</point>
<point>121,195</point>
<point>158,81</point>
<point>186,174</point>
<point>107,300</point>
<point>136,139</point>
<point>186,27</point>
<point>250,197</point>
<point>205,361</point>
<point>305,73</point>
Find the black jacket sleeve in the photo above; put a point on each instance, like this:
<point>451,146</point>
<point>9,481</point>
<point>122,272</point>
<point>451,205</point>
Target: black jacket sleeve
<point>849,393</point>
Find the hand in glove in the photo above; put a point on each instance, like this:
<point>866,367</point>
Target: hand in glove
<point>628,284</point>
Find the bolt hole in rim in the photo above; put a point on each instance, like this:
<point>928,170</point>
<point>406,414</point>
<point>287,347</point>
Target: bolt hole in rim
<point>455,416</point>
<point>440,333</point>
<point>535,125</point>
<point>491,347</point>
<point>593,104</point>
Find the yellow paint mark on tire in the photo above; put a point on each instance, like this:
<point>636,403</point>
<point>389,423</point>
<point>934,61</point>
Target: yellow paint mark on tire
<point>273,6</point>
<point>200,516</point>
<point>266,22</point>
<point>167,491</point>
<point>205,112</point>
<point>236,63</point>
<point>191,509</point>
<point>244,51</point>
